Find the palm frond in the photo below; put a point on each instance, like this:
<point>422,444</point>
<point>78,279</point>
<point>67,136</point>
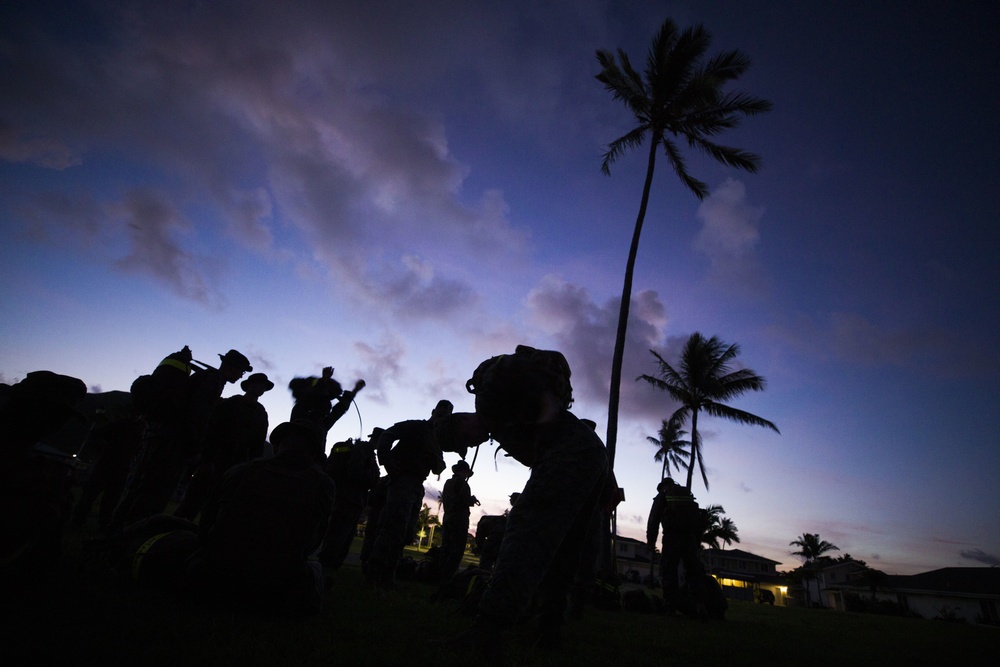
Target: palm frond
<point>620,146</point>
<point>731,157</point>
<point>727,66</point>
<point>699,189</point>
<point>737,415</point>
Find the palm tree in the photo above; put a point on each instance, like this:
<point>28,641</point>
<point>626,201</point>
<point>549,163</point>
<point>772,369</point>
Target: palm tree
<point>678,97</point>
<point>811,547</point>
<point>671,449</point>
<point>704,379</point>
<point>719,528</point>
<point>426,523</point>
<point>813,550</point>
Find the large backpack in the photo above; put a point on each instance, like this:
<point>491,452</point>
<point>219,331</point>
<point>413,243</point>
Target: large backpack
<point>509,388</point>
<point>163,393</point>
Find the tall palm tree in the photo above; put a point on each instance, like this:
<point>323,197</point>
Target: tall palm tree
<point>703,380</point>
<point>679,96</point>
<point>671,449</point>
<point>812,549</point>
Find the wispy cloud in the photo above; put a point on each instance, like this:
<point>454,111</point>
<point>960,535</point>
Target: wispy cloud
<point>729,237</point>
<point>980,556</point>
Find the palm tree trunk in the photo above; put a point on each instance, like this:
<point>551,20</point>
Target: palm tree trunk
<point>616,362</point>
<point>695,449</point>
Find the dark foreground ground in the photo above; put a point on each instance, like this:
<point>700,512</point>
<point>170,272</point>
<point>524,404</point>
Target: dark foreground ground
<point>91,618</point>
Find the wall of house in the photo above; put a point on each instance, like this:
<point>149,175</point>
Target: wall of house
<point>933,606</point>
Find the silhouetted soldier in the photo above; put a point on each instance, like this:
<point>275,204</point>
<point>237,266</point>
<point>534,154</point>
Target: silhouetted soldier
<point>415,455</point>
<point>675,509</point>
<point>237,432</point>
<point>117,441</point>
<point>353,467</point>
<point>489,535</point>
<point>523,399</point>
<point>35,499</point>
<point>267,517</point>
<point>457,499</point>
<point>314,398</point>
<point>173,438</point>
<point>376,501</point>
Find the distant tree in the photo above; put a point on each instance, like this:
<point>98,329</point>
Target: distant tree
<point>813,550</point>
<point>426,523</point>
<point>679,96</point>
<point>703,380</point>
<point>719,529</point>
<point>672,450</point>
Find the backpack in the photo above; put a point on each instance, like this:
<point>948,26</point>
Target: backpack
<point>163,392</point>
<point>509,388</point>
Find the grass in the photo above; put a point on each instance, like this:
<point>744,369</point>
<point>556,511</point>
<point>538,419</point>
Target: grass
<point>69,617</point>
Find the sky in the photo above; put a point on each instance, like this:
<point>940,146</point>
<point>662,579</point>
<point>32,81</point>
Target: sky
<point>401,190</point>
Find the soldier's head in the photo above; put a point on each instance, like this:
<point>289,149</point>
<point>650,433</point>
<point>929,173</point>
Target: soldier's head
<point>462,469</point>
<point>256,385</point>
<point>298,438</point>
<point>233,365</point>
<point>443,408</point>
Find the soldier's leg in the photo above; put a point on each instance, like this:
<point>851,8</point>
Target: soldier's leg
<point>559,485</point>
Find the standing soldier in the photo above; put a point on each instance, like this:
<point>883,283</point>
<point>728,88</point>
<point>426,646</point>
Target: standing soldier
<point>675,509</point>
<point>314,398</point>
<point>237,432</point>
<point>175,435</point>
<point>353,467</point>
<point>415,455</point>
<point>457,499</point>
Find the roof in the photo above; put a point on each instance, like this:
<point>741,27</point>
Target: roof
<point>963,580</point>
<point>739,553</point>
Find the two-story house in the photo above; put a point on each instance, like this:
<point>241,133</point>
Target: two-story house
<point>746,576</point>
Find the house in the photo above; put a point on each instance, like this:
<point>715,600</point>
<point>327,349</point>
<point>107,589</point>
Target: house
<point>827,588</point>
<point>969,594</point>
<point>746,576</point>
<point>633,558</point>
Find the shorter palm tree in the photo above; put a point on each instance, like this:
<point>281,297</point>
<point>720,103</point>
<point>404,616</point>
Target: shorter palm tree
<point>811,547</point>
<point>814,551</point>
<point>702,382</point>
<point>672,450</point>
<point>719,529</point>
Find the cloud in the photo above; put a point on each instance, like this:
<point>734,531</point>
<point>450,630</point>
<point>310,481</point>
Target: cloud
<point>980,556</point>
<point>729,236</point>
<point>44,152</point>
<point>415,290</point>
<point>143,233</point>
<point>277,123</point>
<point>585,332</point>
<point>857,339</point>
<point>155,227</point>
<point>379,364</point>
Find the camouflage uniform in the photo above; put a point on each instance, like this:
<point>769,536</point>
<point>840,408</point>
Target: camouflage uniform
<point>546,530</point>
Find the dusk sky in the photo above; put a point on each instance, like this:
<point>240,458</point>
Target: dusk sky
<point>402,189</point>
